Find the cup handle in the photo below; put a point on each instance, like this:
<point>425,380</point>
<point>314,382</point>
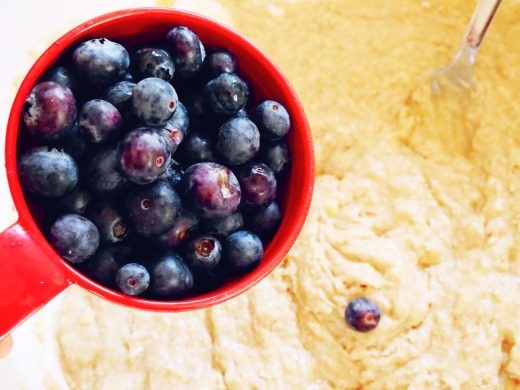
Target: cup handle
<point>29,277</point>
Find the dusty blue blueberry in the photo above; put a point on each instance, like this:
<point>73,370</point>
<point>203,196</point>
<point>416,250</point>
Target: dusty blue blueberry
<point>132,279</point>
<point>226,94</point>
<point>100,61</point>
<point>238,141</point>
<point>152,62</point>
<point>276,155</point>
<point>49,111</point>
<point>49,174</point>
<point>187,51</point>
<point>152,209</point>
<point>202,253</point>
<point>154,101</point>
<point>243,250</point>
<point>100,120</point>
<point>74,237</point>
<point>171,277</point>
<point>103,266</point>
<point>362,314</point>
<point>102,173</point>
<point>272,120</point>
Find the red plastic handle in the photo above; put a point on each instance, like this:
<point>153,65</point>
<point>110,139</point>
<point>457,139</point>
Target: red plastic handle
<point>29,277</point>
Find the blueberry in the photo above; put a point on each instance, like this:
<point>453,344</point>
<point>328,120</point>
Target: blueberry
<point>171,277</point>
<point>266,220</point>
<point>197,147</point>
<point>127,77</point>
<point>75,202</point>
<point>111,225</point>
<point>120,95</point>
<point>153,62</point>
<point>362,314</point>
<point>102,173</point>
<point>100,120</point>
<point>103,266</point>
<point>176,128</point>
<point>154,101</point>
<point>49,110</point>
<point>173,174</point>
<point>202,253</point>
<point>187,51</point>
<point>226,94</point>
<point>153,209</point>
<point>241,114</point>
<point>243,250</point>
<point>132,279</point>
<point>238,141</point>
<point>101,61</point>
<point>62,76</point>
<point>49,174</point>
<point>74,237</point>
<point>75,144</point>
<point>144,155</point>
<point>198,113</point>
<point>223,227</point>
<point>258,184</point>
<point>211,189</point>
<point>272,120</point>
<point>276,155</point>
<point>220,61</point>
<point>185,224</point>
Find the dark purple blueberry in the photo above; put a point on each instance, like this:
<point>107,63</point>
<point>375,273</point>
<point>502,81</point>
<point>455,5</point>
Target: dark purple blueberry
<point>223,227</point>
<point>171,277</point>
<point>211,189</point>
<point>362,314</point>
<point>276,155</point>
<point>120,95</point>
<point>100,120</point>
<point>202,253</point>
<point>185,224</point>
<point>173,174</point>
<point>220,61</point>
<point>153,209</point>
<point>226,94</point>
<point>75,202</point>
<point>102,173</point>
<point>258,184</point>
<point>49,111</point>
<point>187,51</point>
<point>197,147</point>
<point>62,76</point>
<point>243,250</point>
<point>132,279</point>
<point>153,62</point>
<point>238,141</point>
<point>103,266</point>
<point>176,128</point>
<point>197,111</point>
<point>145,155</point>
<point>74,237</point>
<point>75,144</point>
<point>101,61</point>
<point>154,101</point>
<point>49,174</point>
<point>272,120</point>
<point>266,220</point>
<point>111,224</point>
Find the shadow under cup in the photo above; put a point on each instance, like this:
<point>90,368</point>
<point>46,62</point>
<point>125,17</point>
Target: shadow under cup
<point>34,272</point>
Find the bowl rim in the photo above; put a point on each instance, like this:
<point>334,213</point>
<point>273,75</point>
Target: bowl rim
<point>74,276</point>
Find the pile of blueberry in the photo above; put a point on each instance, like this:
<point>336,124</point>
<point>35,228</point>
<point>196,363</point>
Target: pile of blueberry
<point>158,175</point>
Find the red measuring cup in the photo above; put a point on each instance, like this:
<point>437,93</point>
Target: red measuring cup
<point>32,273</point>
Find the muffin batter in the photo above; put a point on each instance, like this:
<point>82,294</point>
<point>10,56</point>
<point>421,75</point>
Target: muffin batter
<point>415,207</point>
